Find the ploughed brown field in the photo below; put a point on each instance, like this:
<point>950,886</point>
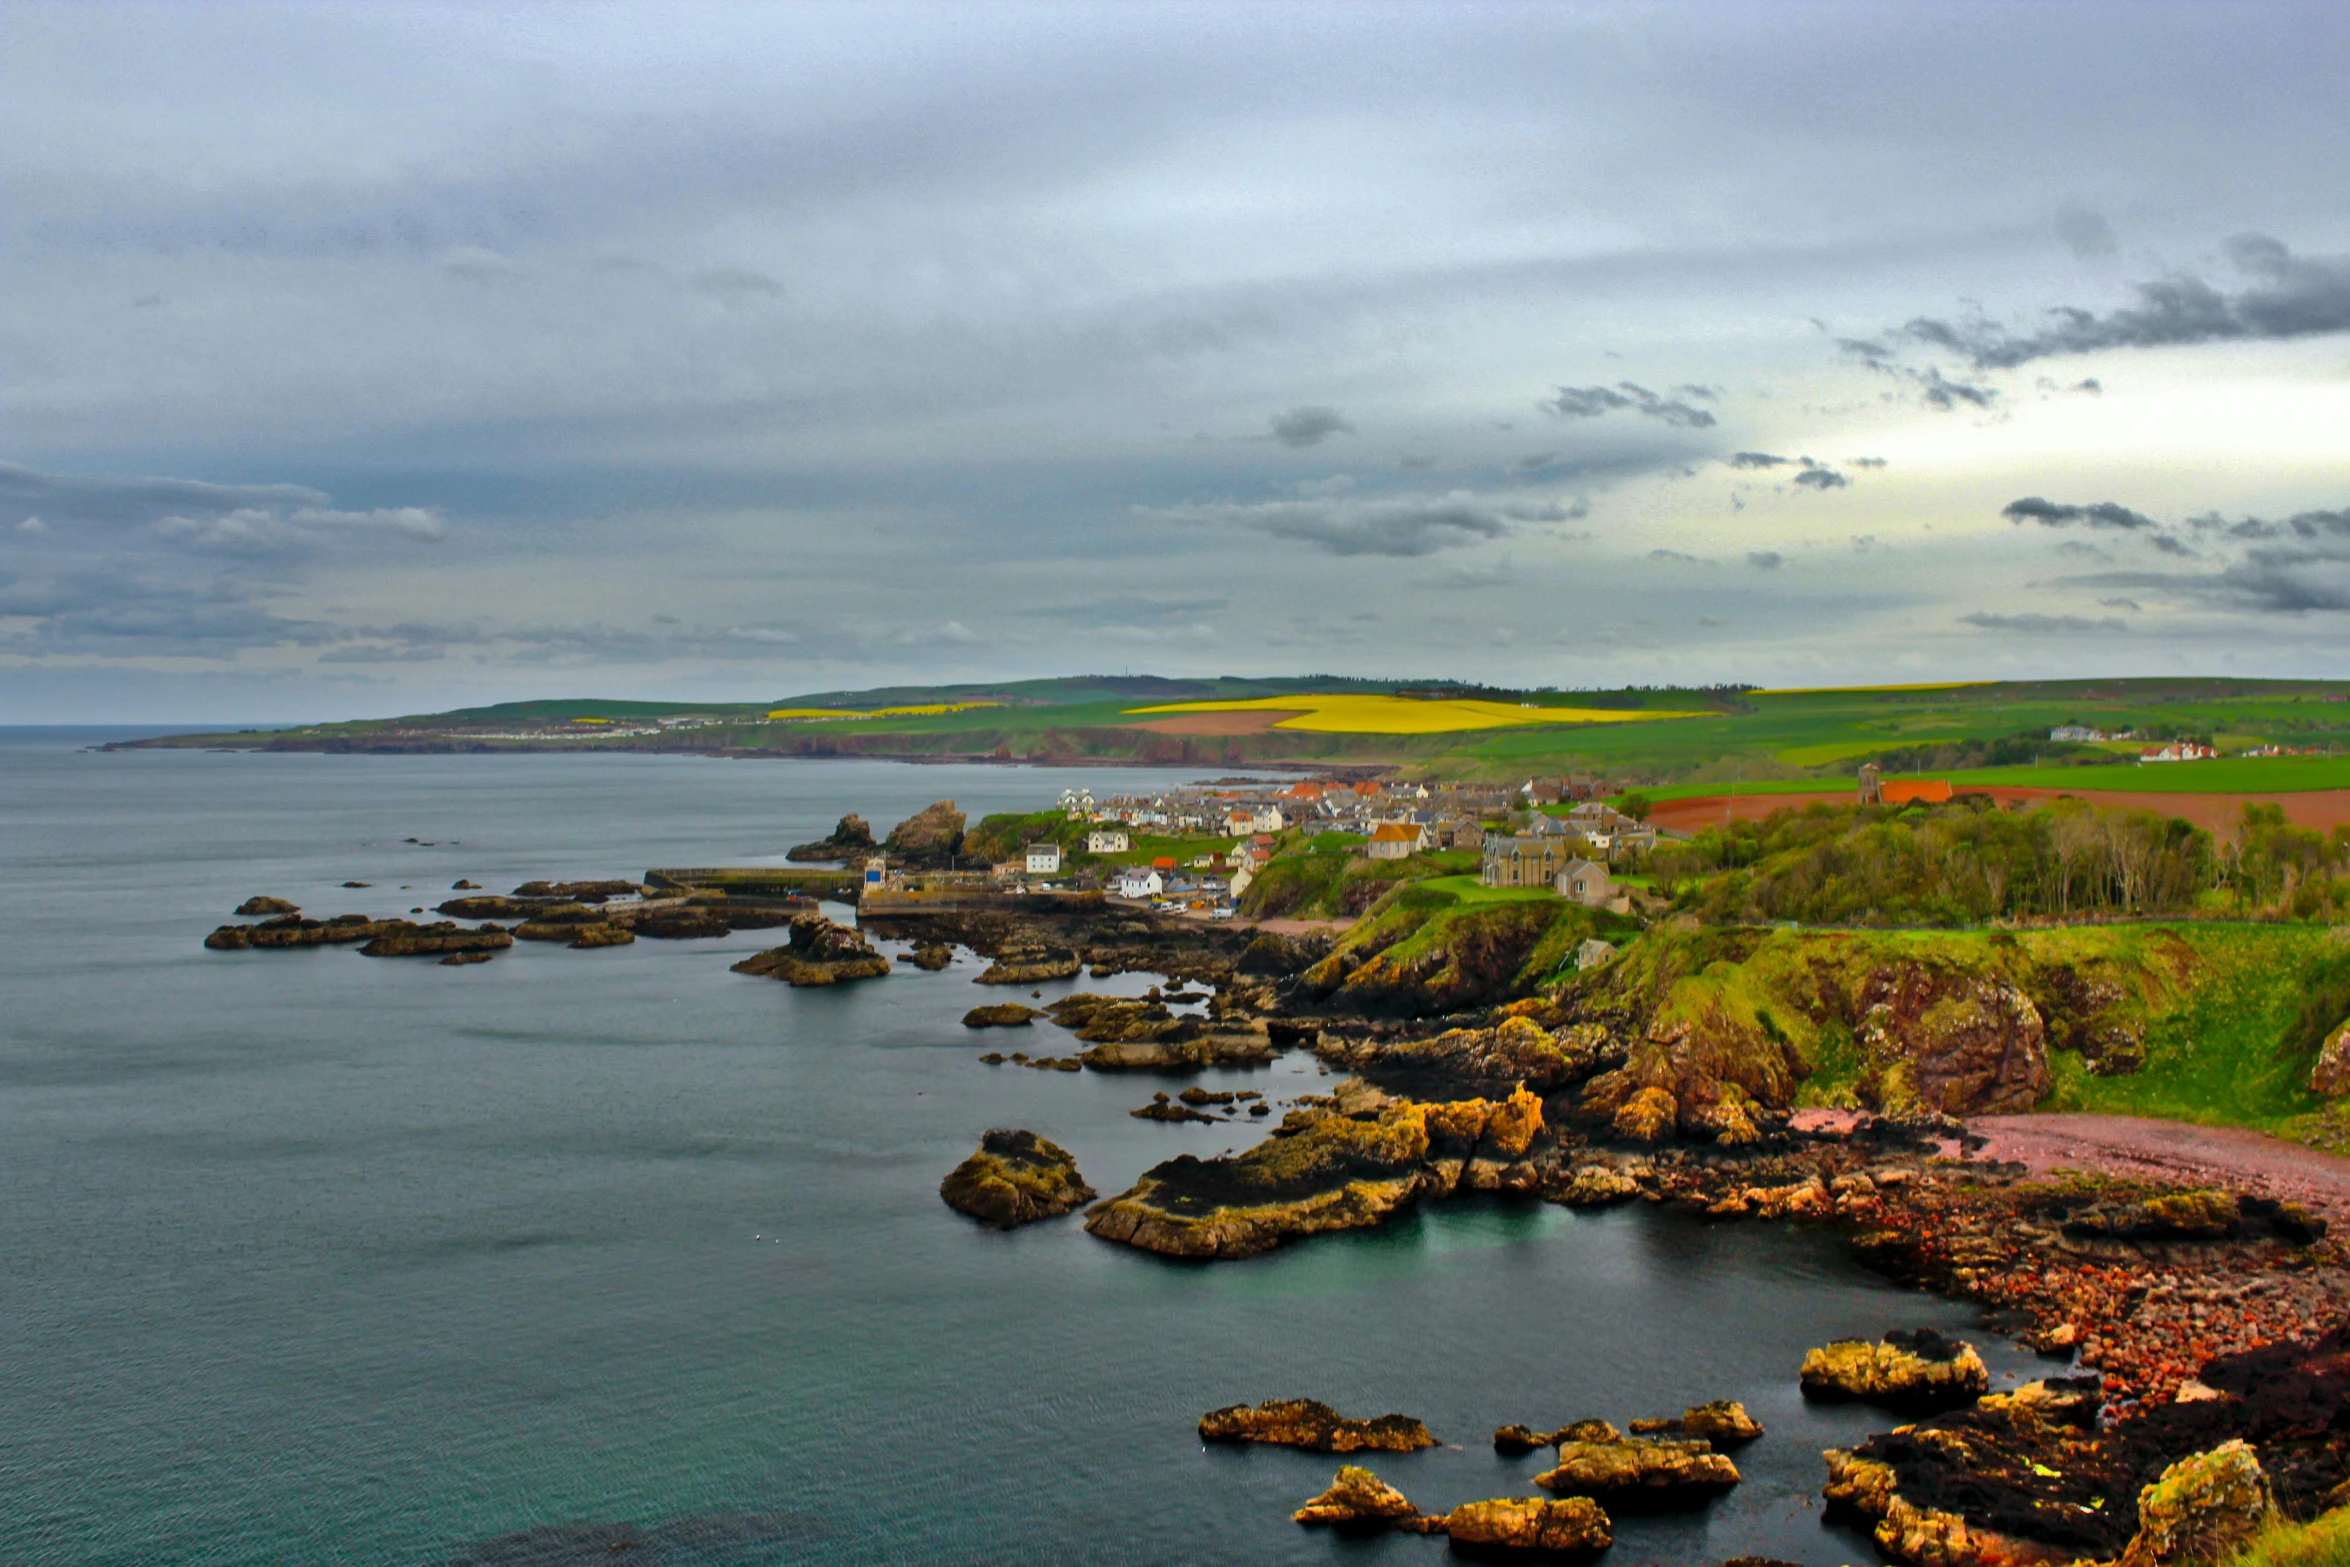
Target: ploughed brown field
<point>1250,721</point>
<point>2320,808</point>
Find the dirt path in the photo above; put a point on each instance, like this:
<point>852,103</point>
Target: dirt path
<point>2170,1151</point>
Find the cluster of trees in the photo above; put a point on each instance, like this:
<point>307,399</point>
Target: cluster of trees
<point>1970,861</point>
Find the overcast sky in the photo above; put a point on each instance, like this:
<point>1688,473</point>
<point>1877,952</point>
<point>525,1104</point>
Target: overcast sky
<point>376,358</point>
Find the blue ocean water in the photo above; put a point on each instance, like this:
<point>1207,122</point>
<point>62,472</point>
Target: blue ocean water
<point>618,1257</point>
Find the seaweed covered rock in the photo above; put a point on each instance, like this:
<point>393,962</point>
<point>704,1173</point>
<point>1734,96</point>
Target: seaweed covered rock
<point>1193,1053</point>
<point>1120,1019</point>
<point>1030,965</point>
<point>263,905</point>
<point>498,906</point>
<point>417,941</point>
<point>1724,1423</point>
<point>1641,1471</point>
<point>547,922</point>
<point>1337,1174</point>
<point>2205,1215</point>
<point>586,937</point>
<point>2202,1509</point>
<point>1358,1502</point>
<point>820,953</point>
<point>1571,1526</point>
<point>688,924</point>
<point>1919,1370</point>
<point>292,930</point>
<point>579,891</point>
<point>851,838</point>
<point>1314,1426</point>
<point>1015,1178</point>
<point>1008,1015</point>
<point>931,956</point>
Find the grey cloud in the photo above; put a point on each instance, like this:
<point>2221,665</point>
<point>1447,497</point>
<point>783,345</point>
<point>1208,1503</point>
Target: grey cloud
<point>1707,394</point>
<point>1756,460</point>
<point>1590,402</point>
<point>2132,605</point>
<point>376,653</point>
<point>478,264</point>
<point>2085,233</point>
<point>1674,555</point>
<point>2099,514</point>
<point>1816,477</point>
<point>1866,462</point>
<point>1406,525</point>
<point>1309,426</point>
<point>736,285</point>
<point>1765,560</point>
<point>123,502</point>
<point>2298,566</point>
<point>2041,625</point>
<point>2291,296</point>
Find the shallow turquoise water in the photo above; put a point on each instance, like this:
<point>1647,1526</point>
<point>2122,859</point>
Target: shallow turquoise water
<point>313,1258</point>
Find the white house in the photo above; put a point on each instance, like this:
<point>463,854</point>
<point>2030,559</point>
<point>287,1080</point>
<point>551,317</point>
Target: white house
<point>1140,883</point>
<point>1044,859</point>
<point>1393,841</point>
<point>1266,818</point>
<point>1106,842</point>
<point>1242,877</point>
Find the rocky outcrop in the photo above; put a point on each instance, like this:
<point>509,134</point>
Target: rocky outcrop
<point>1009,1015</point>
<point>1326,1169</point>
<point>2329,1075</point>
<point>1121,1019</point>
<point>292,930</point>
<point>1724,1423</point>
<point>1314,1426</point>
<point>1949,1040</point>
<point>1907,1370</point>
<point>1162,1108</point>
<point>2175,1216</point>
<point>851,839</point>
<point>1573,1526</point>
<point>1015,1178</point>
<point>1511,1441</point>
<point>820,953</point>
<point>1464,1063</point>
<point>931,956</point>
<point>696,924</point>
<point>584,937</point>
<point>927,840</point>
<point>550,921</point>
<point>416,941</point>
<point>1359,1502</point>
<point>497,906</point>
<point>1638,1471</point>
<point>262,905</point>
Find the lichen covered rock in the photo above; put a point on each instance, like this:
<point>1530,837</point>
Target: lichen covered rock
<point>1313,1426</point>
<point>1724,1423</point>
<point>2201,1509</point>
<point>1358,1502</point>
<point>1008,1015</point>
<point>1643,1471</point>
<point>1015,1178</point>
<point>1569,1526</point>
<point>1921,1369</point>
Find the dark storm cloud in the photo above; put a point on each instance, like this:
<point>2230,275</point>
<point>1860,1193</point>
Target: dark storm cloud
<point>2099,514</point>
<point>2288,296</point>
<point>2041,625</point>
<point>1403,525</point>
<point>122,607</point>
<point>1590,402</point>
<point>1309,426</point>
<point>2297,566</point>
<point>1817,477</point>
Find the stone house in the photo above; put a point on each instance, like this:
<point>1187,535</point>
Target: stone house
<point>1525,861</point>
<point>1585,881</point>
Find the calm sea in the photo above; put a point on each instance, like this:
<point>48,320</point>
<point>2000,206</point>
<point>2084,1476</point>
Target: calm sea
<point>617,1257</point>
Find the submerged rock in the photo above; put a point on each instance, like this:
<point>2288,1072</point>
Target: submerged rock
<point>1724,1423</point>
<point>1015,1178</point>
<point>579,891</point>
<point>291,930</point>
<point>1314,1426</point>
<point>1359,1502</point>
<point>1572,1526</point>
<point>1161,1108</point>
<point>820,953</point>
<point>1008,1015</point>
<point>1921,1369</point>
<point>931,956</point>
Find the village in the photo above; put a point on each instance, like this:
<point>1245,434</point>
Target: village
<point>1197,851</point>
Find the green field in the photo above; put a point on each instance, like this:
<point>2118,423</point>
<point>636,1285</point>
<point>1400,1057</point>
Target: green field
<point>1693,741</point>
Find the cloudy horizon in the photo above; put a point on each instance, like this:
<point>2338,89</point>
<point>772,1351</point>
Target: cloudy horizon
<point>371,359</point>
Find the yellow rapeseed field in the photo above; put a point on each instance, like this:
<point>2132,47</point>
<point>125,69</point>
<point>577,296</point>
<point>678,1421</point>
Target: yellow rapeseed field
<point>1395,715</point>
